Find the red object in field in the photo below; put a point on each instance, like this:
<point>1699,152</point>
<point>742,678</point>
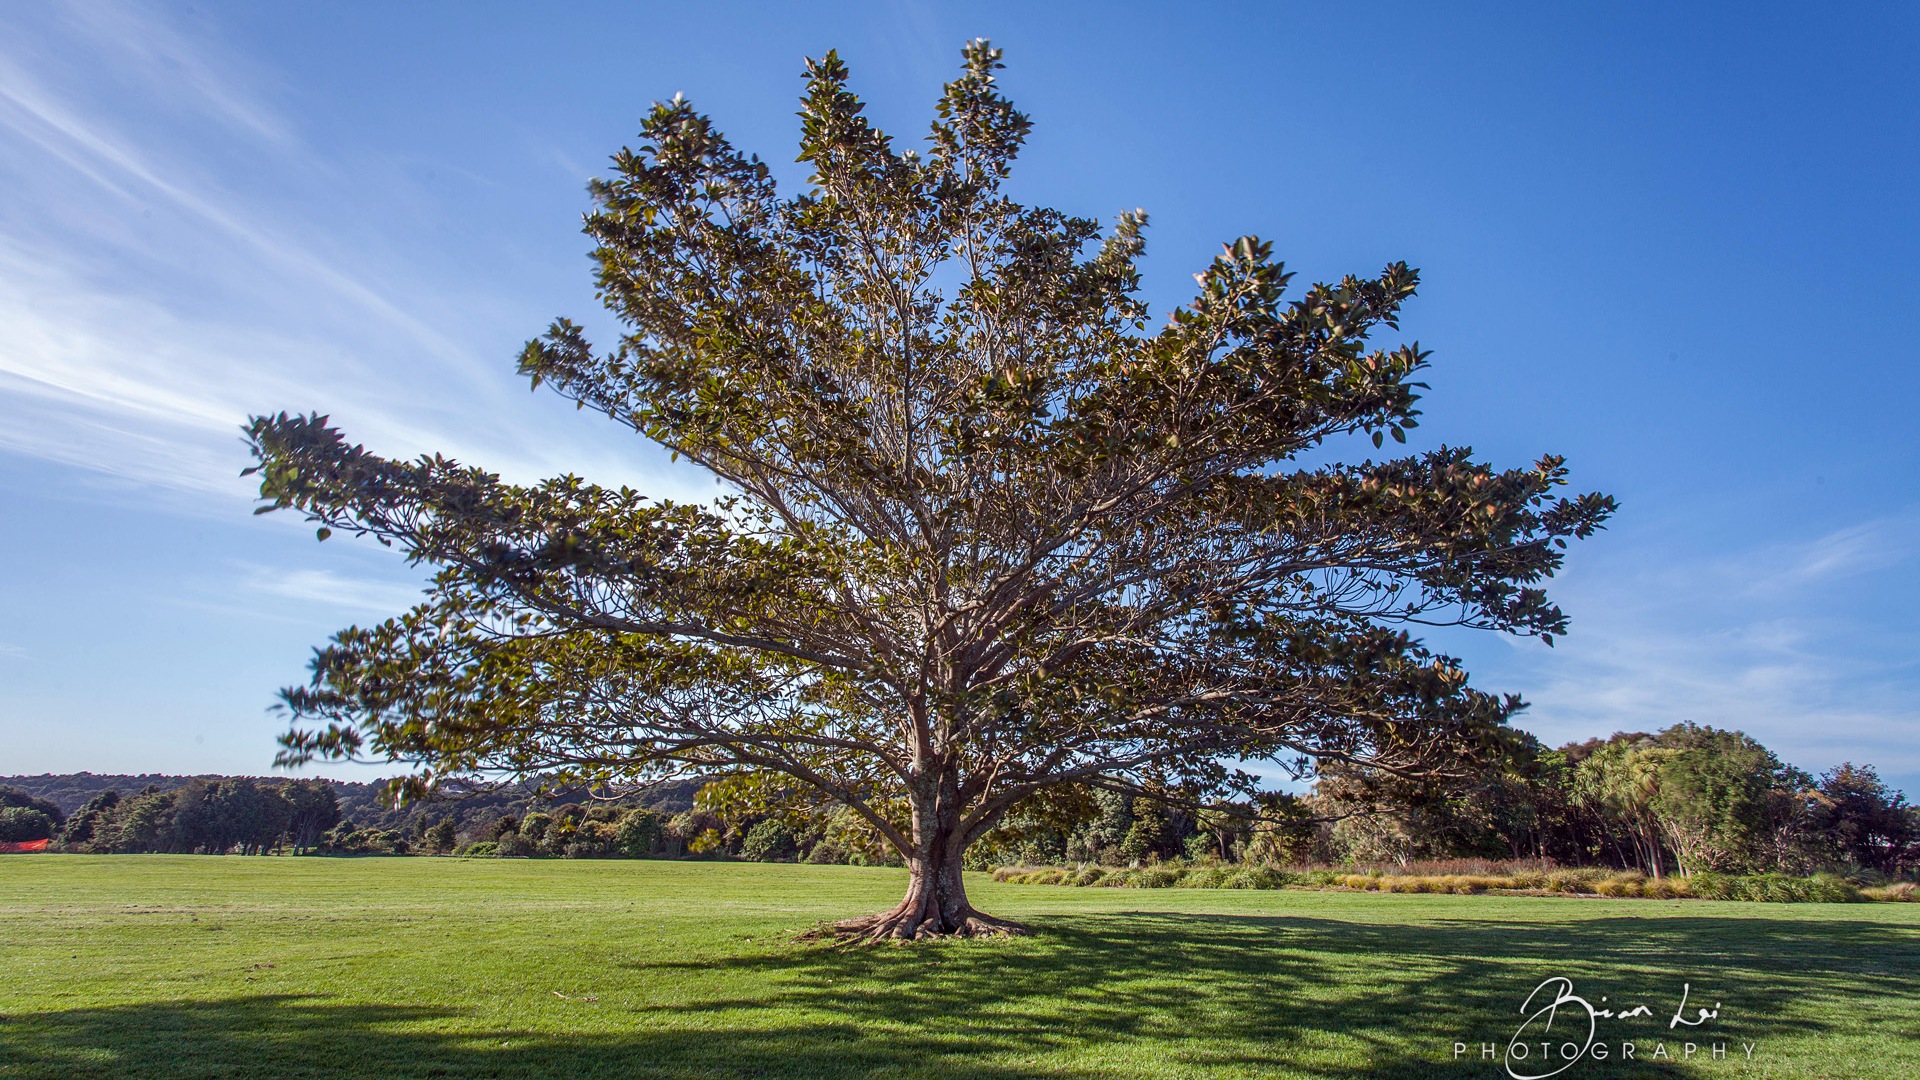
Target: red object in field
<point>21,847</point>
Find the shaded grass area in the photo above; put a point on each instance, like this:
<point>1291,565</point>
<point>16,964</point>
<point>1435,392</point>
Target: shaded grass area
<point>157,966</point>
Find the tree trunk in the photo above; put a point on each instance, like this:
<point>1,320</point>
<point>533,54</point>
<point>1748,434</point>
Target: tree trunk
<point>1650,854</point>
<point>936,901</point>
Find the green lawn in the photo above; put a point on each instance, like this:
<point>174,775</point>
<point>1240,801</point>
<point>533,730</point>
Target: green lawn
<point>159,966</point>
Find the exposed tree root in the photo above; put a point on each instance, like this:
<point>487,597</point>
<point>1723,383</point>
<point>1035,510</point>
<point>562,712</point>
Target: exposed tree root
<point>901,925</point>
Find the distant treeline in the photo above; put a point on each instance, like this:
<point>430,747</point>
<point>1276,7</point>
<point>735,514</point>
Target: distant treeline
<point>363,802</point>
<point>1688,799</point>
<point>108,814</point>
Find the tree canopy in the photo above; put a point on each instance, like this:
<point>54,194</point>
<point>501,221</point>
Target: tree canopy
<point>987,533</point>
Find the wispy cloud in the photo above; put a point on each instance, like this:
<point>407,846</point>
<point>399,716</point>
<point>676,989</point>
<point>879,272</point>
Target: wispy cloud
<point>156,289</point>
<point>1873,545</point>
<point>142,41</point>
<point>329,589</point>
<point>165,69</point>
<point>1770,640</point>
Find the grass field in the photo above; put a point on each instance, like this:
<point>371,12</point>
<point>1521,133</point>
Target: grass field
<point>162,966</point>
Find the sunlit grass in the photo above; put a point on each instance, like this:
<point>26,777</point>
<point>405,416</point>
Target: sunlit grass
<point>160,966</point>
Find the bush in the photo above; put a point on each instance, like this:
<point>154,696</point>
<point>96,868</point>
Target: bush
<point>481,850</point>
<point>1631,883</point>
<point>345,839</point>
<point>640,834</point>
<point>826,852</point>
<point>770,841</point>
<point>533,827</point>
<point>1664,889</point>
<point>1832,889</point>
<point>1156,877</point>
<point>12,797</point>
<point>439,839</point>
<point>591,840</point>
<point>515,846</point>
<point>21,823</point>
<point>1774,888</point>
<point>1205,877</point>
<point>1259,877</point>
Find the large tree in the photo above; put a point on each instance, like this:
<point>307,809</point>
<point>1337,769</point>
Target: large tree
<point>986,533</point>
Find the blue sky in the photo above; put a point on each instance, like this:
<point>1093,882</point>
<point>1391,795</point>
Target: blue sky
<point>1677,248</point>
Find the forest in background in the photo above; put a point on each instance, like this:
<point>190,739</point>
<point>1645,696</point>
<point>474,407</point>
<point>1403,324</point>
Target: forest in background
<point>1685,800</point>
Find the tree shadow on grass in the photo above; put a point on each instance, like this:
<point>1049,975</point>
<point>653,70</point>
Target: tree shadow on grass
<point>1332,998</point>
<point>292,1037</point>
<point>1090,995</point>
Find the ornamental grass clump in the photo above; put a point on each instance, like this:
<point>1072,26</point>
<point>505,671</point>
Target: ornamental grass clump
<point>1262,877</point>
<point>1774,888</point>
<point>1629,884</point>
<point>1205,877</point>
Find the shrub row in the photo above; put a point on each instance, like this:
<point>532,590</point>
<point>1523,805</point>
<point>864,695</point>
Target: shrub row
<point>1774,888</point>
<point>1153,877</point>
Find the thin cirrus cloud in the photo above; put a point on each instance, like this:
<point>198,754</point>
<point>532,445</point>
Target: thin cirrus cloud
<point>175,256</point>
<point>153,303</point>
<point>330,590</point>
<point>1857,549</point>
<point>1769,640</point>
